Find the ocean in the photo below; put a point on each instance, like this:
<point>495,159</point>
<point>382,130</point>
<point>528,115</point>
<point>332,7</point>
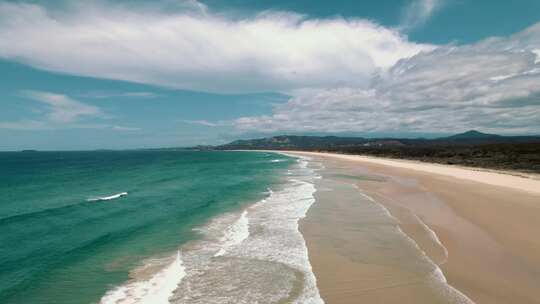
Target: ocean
<point>154,227</point>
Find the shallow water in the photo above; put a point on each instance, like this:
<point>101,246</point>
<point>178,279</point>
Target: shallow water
<point>383,264</point>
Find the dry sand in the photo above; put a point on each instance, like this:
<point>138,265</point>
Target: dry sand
<point>507,179</point>
<point>488,223</point>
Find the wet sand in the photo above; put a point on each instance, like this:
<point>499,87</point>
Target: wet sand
<point>490,249</point>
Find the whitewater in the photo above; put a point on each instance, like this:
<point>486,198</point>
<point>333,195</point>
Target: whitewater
<point>255,255</point>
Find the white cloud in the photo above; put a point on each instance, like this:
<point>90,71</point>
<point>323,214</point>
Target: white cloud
<point>63,109</point>
<point>343,74</point>
<point>106,95</point>
<point>62,112</point>
<point>418,12</point>
<point>122,128</point>
<point>483,85</point>
<point>537,53</point>
<point>23,125</point>
<point>197,50</point>
<point>205,123</point>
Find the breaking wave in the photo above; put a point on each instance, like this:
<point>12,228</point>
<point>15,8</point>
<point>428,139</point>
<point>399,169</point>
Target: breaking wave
<point>155,290</point>
<point>256,255</point>
<point>107,198</point>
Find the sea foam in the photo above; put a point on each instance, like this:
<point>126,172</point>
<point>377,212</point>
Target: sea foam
<point>261,255</point>
<point>235,234</point>
<point>257,255</point>
<point>155,290</point>
<point>107,198</point>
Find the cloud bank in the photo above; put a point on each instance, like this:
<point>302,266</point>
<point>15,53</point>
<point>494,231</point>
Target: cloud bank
<point>343,75</point>
<point>197,50</point>
<point>493,85</point>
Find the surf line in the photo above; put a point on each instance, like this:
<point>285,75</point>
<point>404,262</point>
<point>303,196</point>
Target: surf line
<point>437,272</point>
<point>235,234</point>
<point>157,290</point>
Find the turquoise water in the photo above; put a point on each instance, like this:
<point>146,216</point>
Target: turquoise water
<point>59,247</point>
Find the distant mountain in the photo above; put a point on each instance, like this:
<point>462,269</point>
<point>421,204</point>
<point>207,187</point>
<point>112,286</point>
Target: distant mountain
<point>471,148</point>
<point>473,134</point>
<point>293,142</point>
<point>474,137</point>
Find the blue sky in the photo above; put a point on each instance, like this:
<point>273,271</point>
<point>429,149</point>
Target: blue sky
<point>458,21</point>
<point>135,74</point>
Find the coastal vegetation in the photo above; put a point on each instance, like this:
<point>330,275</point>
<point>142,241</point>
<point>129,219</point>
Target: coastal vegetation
<point>472,148</point>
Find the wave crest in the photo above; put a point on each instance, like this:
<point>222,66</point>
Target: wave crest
<point>107,198</point>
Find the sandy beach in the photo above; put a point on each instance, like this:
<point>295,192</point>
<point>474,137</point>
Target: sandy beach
<point>478,227</point>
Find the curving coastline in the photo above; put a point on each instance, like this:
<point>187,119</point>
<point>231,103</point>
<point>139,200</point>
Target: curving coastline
<point>461,224</point>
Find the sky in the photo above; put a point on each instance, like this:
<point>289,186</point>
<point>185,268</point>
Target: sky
<point>169,73</point>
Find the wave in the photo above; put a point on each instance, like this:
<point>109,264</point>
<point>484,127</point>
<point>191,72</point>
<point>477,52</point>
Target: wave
<point>268,261</point>
<point>156,290</point>
<point>49,211</point>
<point>438,279</point>
<point>434,238</point>
<point>235,234</point>
<point>107,198</point>
<point>253,256</point>
<point>55,210</point>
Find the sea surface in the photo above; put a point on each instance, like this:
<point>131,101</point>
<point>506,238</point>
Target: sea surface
<point>154,227</point>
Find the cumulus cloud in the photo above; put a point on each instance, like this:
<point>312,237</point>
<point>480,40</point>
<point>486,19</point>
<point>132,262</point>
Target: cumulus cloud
<point>342,75</point>
<point>493,85</point>
<point>195,49</point>
<point>418,12</point>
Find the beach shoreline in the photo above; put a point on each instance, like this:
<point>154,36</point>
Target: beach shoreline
<point>246,247</point>
<point>481,219</point>
<point>528,182</point>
